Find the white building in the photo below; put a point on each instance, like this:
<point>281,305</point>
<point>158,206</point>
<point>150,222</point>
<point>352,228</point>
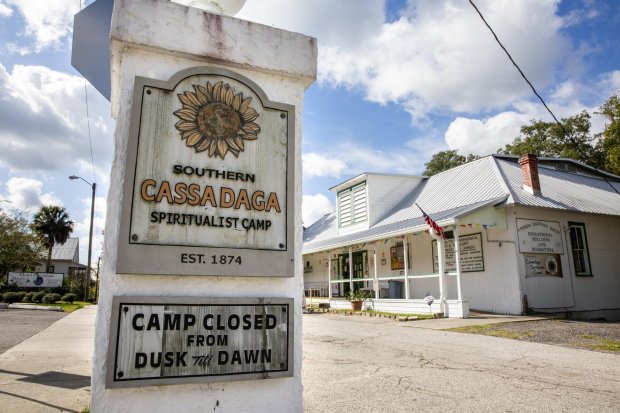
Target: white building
<point>532,234</point>
<point>65,259</point>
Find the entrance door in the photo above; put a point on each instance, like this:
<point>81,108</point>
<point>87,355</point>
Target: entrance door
<point>344,273</point>
<point>360,264</point>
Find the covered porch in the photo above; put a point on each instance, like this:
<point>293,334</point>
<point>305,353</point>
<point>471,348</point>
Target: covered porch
<point>399,269</point>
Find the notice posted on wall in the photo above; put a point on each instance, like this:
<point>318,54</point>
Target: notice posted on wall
<point>470,249</point>
<point>173,340</point>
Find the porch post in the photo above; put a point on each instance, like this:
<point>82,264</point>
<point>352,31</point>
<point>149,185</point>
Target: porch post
<point>457,258</point>
<point>406,253</point>
<point>329,276</point>
<point>375,284</point>
<point>351,267</point>
<point>441,255</point>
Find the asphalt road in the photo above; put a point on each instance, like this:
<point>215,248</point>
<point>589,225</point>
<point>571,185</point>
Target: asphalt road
<point>361,364</point>
<point>18,325</point>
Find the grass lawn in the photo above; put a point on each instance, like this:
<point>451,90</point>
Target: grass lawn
<point>382,313</point>
<point>491,330</point>
<point>66,307</point>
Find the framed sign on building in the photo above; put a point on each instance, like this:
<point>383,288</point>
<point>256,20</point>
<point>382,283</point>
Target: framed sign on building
<point>209,185</point>
<point>539,237</point>
<point>471,254</point>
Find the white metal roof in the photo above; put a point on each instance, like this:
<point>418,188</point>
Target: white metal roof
<point>563,190</point>
<point>67,251</point>
<point>487,181</point>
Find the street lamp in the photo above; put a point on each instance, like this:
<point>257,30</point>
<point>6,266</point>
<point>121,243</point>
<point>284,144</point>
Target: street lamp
<point>90,235</point>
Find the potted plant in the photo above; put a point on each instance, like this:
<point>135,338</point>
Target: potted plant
<point>357,297</point>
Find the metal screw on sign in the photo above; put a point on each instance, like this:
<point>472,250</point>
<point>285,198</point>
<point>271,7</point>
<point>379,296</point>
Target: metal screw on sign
<point>134,237</point>
<point>120,374</point>
<point>429,300</point>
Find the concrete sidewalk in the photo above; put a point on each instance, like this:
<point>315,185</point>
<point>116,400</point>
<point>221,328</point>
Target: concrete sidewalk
<point>476,319</point>
<point>50,371</point>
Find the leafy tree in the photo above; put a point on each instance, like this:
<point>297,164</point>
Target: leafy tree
<point>19,247</point>
<point>549,139</point>
<point>444,160</point>
<point>608,143</point>
<point>52,225</point>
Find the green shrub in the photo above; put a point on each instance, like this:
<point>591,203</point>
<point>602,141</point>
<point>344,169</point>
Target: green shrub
<point>21,295</point>
<point>69,298</point>
<point>28,297</point>
<point>51,298</point>
<point>38,296</point>
<point>11,297</point>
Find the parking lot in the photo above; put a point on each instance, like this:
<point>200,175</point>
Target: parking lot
<point>18,325</point>
<point>366,364</point>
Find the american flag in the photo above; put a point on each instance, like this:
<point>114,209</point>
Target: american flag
<point>429,221</point>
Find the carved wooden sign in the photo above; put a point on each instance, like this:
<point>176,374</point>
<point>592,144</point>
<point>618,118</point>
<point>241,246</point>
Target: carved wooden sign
<point>173,340</point>
<point>209,178</point>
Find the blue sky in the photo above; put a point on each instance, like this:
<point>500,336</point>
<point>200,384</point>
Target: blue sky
<point>398,81</point>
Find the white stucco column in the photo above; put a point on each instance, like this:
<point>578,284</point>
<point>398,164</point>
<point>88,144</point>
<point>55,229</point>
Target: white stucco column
<point>405,252</point>
<point>156,39</point>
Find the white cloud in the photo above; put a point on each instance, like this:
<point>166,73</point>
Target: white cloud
<point>5,11</point>
<point>438,55</point>
<point>343,23</point>
<point>314,207</point>
<point>485,136</point>
<point>352,157</point>
<point>50,25</point>
<point>27,194</point>
<point>43,124</point>
<point>315,164</point>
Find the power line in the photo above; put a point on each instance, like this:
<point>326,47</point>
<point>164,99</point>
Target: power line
<point>518,68</point>
<point>566,134</point>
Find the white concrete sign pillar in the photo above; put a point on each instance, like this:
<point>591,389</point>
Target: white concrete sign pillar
<point>158,39</point>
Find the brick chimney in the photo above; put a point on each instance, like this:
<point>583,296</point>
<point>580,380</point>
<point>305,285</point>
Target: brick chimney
<point>529,169</point>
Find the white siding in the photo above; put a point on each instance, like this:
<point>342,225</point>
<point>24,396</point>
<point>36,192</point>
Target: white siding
<point>601,291</point>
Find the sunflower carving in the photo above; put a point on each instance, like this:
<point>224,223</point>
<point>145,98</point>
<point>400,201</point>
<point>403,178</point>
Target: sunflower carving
<point>216,120</point>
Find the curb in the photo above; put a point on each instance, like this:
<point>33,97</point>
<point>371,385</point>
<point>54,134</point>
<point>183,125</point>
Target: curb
<point>33,307</point>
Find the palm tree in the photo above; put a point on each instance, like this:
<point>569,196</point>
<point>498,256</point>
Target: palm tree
<point>52,225</point>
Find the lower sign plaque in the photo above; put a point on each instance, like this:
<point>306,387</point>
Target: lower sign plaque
<point>175,340</point>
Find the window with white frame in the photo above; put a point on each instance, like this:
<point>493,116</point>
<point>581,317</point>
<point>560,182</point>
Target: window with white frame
<point>579,247</point>
<point>352,205</point>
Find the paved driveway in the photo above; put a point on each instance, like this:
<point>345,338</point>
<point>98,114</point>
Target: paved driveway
<point>360,364</point>
<point>18,325</point>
